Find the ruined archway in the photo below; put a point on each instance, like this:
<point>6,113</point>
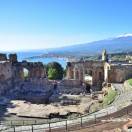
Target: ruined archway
<point>88,87</point>
<point>25,73</point>
<point>77,75</point>
<point>88,78</point>
<point>90,73</point>
<point>100,76</point>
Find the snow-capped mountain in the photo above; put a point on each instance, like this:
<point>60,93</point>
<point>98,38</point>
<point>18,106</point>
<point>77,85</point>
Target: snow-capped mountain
<point>122,43</point>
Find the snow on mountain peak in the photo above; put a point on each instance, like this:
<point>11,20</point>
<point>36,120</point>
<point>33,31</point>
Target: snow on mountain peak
<point>125,35</point>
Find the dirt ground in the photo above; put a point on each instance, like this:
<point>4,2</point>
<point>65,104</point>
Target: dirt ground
<point>22,108</point>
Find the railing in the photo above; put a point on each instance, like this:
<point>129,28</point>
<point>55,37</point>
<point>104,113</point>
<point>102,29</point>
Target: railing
<point>70,125</point>
<point>67,125</point>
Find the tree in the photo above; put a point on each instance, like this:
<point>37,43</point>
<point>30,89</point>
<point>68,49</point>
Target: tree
<point>55,71</point>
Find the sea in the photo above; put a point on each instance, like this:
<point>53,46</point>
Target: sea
<point>25,55</point>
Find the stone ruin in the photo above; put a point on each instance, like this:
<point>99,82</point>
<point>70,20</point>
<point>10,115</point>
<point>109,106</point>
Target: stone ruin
<point>35,86</point>
<point>3,57</point>
<point>12,69</point>
<point>97,73</point>
<point>93,73</point>
<point>36,89</point>
<point>12,74</point>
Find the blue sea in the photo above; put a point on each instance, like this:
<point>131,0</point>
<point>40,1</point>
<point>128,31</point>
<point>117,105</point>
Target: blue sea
<point>23,55</point>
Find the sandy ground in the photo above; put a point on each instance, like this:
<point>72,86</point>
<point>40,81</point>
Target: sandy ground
<point>22,108</point>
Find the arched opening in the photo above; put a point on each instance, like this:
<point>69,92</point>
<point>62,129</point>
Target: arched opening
<point>88,87</point>
<point>77,75</point>
<point>100,75</point>
<point>88,77</point>
<point>86,72</point>
<point>90,73</point>
<point>25,73</point>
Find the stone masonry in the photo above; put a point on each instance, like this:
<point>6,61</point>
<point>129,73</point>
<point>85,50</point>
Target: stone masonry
<point>12,70</point>
<point>78,71</point>
<point>97,72</point>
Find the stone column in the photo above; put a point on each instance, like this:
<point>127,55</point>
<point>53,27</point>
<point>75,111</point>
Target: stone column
<point>83,71</point>
<point>74,74</point>
<point>70,73</point>
<point>43,72</point>
<point>81,75</point>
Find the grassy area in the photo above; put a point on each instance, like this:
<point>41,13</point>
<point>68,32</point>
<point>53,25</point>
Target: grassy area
<point>110,97</point>
<point>130,81</point>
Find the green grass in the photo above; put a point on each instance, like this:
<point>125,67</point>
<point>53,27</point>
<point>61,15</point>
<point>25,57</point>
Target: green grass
<point>130,81</point>
<point>110,97</point>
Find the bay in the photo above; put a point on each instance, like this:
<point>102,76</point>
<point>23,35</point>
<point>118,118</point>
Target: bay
<point>25,55</point>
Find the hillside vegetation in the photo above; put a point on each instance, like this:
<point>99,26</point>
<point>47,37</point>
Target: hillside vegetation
<point>130,81</point>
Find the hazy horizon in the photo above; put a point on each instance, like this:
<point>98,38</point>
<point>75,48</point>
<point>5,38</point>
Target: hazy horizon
<point>39,24</point>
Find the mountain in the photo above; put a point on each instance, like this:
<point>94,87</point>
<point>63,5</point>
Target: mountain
<point>118,44</point>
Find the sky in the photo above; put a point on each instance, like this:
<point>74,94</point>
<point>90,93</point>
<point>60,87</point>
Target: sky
<point>42,24</point>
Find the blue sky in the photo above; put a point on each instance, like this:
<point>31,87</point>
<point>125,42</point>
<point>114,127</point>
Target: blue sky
<point>40,24</point>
